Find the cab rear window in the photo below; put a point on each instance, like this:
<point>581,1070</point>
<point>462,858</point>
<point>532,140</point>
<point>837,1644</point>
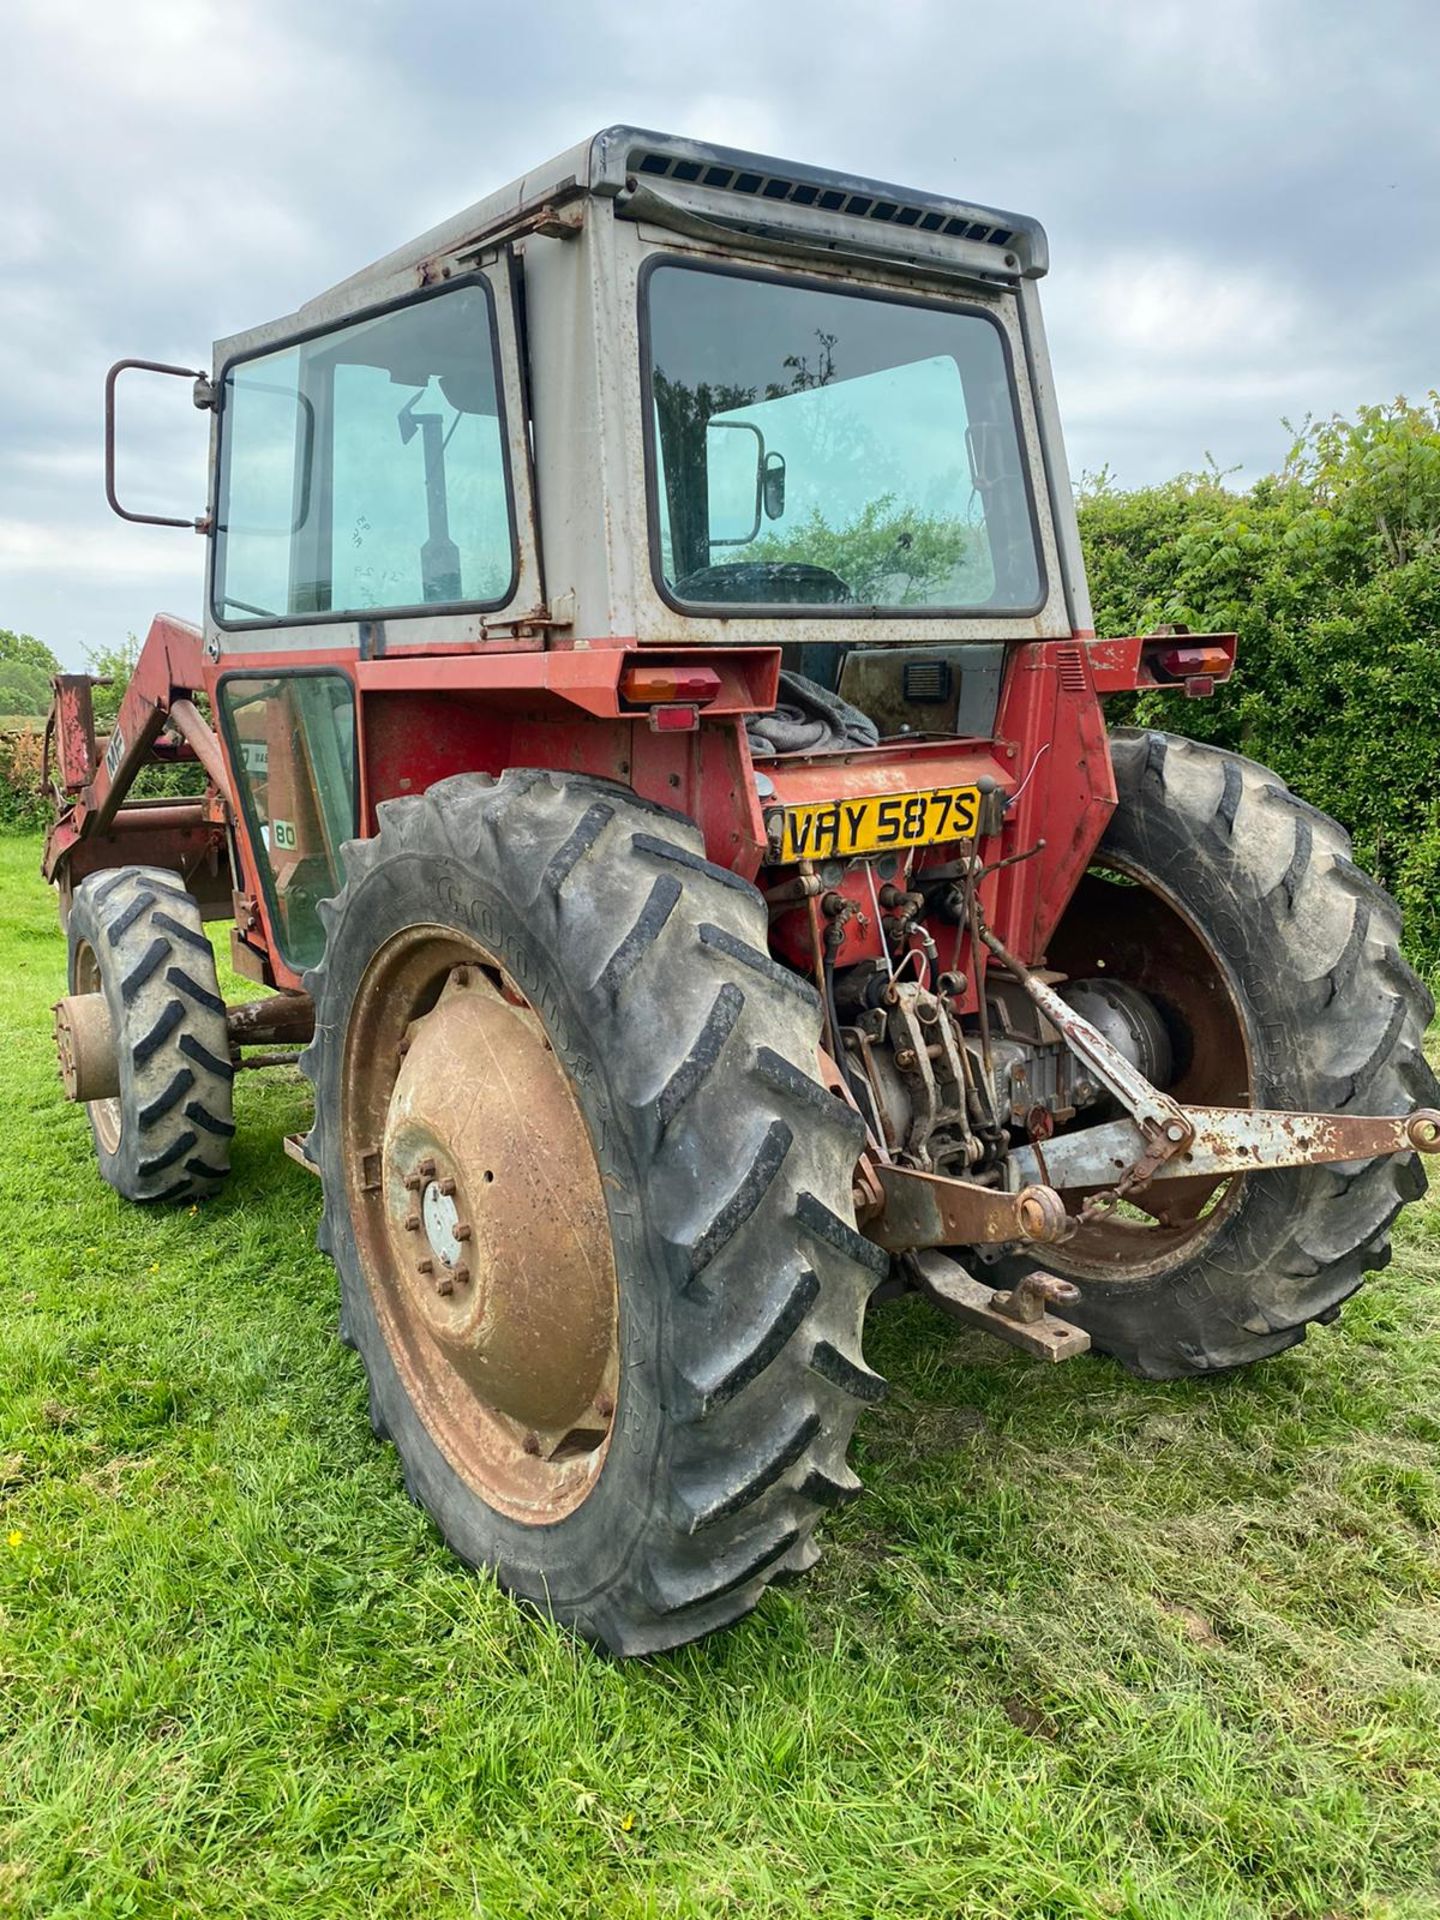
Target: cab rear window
<point>820,449</point>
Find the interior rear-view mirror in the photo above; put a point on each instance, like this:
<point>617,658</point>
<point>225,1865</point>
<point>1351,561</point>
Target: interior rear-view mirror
<point>772,485</point>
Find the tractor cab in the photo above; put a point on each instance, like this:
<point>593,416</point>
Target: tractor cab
<point>663,392</point>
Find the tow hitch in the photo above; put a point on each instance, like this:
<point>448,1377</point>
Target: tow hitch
<point>1161,1140</point>
<point>1021,1317</point>
<point>915,1214</point>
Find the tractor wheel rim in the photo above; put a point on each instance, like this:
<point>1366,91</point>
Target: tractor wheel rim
<point>481,1223</point>
<point>1205,1001</point>
<point>105,1115</point>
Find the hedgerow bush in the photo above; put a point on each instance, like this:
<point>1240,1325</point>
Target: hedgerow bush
<point>22,804</point>
<point>26,665</point>
<point>1329,571</point>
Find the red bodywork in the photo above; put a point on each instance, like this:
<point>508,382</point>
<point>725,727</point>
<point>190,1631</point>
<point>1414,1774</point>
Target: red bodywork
<point>421,718</point>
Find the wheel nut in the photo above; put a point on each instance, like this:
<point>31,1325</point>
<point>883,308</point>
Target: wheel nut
<point>532,1443</point>
<point>427,1266</point>
<point>445,1285</point>
<point>462,1230</point>
<point>427,1169</point>
<point>413,1183</point>
<point>447,1186</point>
<point>604,1405</point>
<point>462,1273</point>
<point>412,1223</point>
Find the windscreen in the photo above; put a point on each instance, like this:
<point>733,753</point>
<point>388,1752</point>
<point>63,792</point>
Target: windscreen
<point>365,469</point>
<point>833,449</point>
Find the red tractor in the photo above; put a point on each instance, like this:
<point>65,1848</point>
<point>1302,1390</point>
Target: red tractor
<point>657,760</point>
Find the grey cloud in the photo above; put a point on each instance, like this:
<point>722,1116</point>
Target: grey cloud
<point>1241,199</point>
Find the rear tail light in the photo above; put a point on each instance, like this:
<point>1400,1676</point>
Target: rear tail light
<point>677,719</point>
<point>1180,662</point>
<point>647,685</point>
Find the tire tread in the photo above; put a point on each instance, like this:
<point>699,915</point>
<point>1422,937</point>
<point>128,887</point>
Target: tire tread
<point>169,1021</point>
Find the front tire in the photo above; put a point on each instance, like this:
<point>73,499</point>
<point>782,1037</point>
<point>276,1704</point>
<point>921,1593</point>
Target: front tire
<point>697,1475</point>
<point>1276,962</point>
<point>136,935</point>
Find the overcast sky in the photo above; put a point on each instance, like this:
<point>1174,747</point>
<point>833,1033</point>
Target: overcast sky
<point>1242,198</point>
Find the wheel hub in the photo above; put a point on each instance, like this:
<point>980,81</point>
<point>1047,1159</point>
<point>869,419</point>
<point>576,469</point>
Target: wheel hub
<point>491,1249</point>
<point>85,1044</point>
<point>85,1039</point>
<point>444,1228</point>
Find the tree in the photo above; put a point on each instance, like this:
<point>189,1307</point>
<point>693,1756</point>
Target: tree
<point>24,646</point>
<point>115,664</point>
<point>26,665</point>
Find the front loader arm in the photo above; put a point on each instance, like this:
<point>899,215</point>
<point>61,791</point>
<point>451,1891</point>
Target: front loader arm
<point>97,823</point>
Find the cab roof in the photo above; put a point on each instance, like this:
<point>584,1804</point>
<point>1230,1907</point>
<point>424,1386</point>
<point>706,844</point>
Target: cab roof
<point>726,187</point>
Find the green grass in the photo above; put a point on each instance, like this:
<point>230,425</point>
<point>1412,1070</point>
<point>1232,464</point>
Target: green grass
<point>1086,1647</point>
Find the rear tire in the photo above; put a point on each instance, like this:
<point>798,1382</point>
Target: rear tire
<point>136,936</point>
<point>1330,1019</point>
<point>726,1170</point>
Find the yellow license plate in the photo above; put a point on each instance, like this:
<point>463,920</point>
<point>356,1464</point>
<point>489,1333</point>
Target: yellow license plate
<point>839,829</point>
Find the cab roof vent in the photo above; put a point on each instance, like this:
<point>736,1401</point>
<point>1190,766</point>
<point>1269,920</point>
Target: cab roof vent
<point>807,193</point>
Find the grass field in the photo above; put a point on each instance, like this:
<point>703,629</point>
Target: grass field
<point>1086,1647</point>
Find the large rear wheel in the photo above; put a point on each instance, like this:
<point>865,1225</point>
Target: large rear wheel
<point>590,1207</point>
<point>1275,965</point>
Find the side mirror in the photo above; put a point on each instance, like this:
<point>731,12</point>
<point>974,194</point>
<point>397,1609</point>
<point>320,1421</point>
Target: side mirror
<point>734,463</point>
<point>203,394</point>
<point>772,485</point>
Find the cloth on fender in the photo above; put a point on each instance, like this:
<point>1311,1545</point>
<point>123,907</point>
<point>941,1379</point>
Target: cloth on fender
<point>809,719</point>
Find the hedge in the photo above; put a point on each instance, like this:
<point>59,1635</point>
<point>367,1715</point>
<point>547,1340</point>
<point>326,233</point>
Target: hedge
<point>1330,573</point>
<point>22,805</point>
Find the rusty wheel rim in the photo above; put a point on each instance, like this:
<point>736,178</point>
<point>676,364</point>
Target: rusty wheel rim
<point>1156,945</point>
<point>106,1115</point>
<point>480,1223</point>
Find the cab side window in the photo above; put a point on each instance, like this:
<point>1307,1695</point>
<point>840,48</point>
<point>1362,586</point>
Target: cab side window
<point>292,738</point>
<point>365,469</point>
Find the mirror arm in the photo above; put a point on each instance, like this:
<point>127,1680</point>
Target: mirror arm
<point>204,397</point>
